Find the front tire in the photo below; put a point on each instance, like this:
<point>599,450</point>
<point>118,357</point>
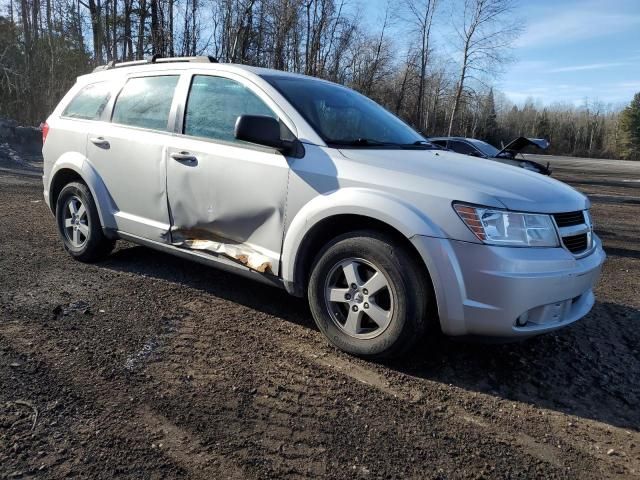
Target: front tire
<point>368,296</point>
<point>79,224</point>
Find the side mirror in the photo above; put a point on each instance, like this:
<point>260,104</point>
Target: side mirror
<point>259,129</point>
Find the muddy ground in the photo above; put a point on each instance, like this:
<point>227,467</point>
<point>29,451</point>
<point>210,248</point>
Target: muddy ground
<point>148,366</point>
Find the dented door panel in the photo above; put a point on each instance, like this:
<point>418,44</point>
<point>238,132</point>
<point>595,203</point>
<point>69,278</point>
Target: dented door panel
<point>229,201</point>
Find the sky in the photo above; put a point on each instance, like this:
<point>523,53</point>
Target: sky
<point>569,51</point>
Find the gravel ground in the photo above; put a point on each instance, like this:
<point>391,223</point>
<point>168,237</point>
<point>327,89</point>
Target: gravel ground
<point>148,366</point>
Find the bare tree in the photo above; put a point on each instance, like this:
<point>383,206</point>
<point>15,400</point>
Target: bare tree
<point>485,35</point>
<point>421,14</point>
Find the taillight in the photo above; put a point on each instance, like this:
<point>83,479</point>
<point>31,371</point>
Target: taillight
<point>45,131</point>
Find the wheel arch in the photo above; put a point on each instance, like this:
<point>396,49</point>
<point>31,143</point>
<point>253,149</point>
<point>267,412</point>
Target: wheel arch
<point>71,169</point>
<point>326,217</point>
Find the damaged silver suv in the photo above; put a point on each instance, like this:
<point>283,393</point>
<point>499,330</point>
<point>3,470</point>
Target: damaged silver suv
<point>312,187</point>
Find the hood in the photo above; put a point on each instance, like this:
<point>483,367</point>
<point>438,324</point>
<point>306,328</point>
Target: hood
<point>520,144</point>
<point>467,179</point>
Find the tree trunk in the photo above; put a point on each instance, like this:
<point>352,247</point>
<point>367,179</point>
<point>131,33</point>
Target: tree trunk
<point>114,33</point>
<point>141,23</point>
<point>155,29</point>
<point>96,21</point>
<point>172,52</point>
<point>194,14</point>
<point>459,88</point>
<point>127,41</point>
<point>49,22</point>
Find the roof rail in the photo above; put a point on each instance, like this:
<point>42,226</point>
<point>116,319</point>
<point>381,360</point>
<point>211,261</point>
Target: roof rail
<point>156,59</point>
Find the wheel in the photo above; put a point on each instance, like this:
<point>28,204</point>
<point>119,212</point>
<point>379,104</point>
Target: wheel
<point>368,296</point>
<point>79,224</point>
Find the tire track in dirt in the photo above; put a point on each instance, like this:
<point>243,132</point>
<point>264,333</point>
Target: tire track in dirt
<point>112,400</point>
<point>371,378</point>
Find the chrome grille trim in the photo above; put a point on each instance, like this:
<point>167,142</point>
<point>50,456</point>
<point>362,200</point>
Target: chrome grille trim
<point>575,231</point>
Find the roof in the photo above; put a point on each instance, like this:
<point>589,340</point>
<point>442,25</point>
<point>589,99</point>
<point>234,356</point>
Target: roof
<point>181,64</point>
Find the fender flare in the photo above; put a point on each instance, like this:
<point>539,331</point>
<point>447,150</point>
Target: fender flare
<point>79,164</point>
<point>364,202</point>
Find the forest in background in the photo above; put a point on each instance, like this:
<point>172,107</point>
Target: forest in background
<point>46,44</point>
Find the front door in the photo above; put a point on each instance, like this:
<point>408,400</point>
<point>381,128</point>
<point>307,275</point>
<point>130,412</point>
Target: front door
<point>225,196</point>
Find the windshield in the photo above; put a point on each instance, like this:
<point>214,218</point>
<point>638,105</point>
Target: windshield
<point>484,147</point>
<point>342,116</point>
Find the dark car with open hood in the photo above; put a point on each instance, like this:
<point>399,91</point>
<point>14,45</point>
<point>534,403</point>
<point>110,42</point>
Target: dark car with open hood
<point>508,155</point>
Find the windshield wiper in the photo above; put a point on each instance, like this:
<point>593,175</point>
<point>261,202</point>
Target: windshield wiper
<point>361,142</point>
<point>368,142</point>
<point>420,143</point>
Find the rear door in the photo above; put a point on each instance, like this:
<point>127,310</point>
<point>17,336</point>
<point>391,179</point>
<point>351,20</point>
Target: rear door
<point>128,151</point>
<point>225,196</point>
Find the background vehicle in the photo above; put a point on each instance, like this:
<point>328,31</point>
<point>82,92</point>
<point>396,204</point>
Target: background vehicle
<point>310,186</point>
<point>508,155</point>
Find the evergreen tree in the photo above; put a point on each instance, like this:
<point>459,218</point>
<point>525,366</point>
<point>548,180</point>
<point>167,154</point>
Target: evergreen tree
<point>630,130</point>
<point>543,126</point>
<point>490,127</point>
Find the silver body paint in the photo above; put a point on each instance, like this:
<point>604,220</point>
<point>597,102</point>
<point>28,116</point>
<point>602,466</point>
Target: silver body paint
<point>247,208</point>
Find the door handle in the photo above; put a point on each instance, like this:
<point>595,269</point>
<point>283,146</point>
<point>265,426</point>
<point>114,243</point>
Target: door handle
<point>184,157</point>
<point>99,142</point>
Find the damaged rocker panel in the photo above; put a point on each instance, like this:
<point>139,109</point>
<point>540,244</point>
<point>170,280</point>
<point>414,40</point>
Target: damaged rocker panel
<point>206,241</point>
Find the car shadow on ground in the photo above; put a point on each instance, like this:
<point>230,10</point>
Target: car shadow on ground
<point>235,288</point>
<point>590,369</point>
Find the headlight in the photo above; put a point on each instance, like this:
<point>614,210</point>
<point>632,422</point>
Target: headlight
<point>501,227</point>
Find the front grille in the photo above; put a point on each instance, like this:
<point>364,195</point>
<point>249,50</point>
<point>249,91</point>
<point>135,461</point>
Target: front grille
<point>569,219</point>
<point>576,243</point>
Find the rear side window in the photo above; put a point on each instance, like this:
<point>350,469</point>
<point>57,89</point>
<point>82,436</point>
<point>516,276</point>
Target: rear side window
<point>145,102</point>
<point>89,103</point>
<point>214,105</point>
<point>461,147</point>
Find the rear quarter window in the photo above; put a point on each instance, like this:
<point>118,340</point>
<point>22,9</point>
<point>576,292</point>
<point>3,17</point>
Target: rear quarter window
<point>145,102</point>
<point>89,102</point>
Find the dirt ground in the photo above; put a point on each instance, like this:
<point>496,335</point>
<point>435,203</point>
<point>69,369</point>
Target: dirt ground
<point>148,366</point>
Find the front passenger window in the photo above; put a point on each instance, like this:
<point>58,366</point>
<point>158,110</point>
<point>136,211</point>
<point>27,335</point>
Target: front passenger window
<point>214,105</point>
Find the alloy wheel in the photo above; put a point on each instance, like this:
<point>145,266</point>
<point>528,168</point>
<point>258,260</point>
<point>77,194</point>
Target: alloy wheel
<point>359,298</point>
<point>76,222</point>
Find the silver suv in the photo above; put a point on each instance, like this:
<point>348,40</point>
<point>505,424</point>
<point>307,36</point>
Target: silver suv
<point>312,187</point>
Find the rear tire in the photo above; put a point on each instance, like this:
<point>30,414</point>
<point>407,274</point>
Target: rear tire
<point>368,296</point>
<point>79,224</point>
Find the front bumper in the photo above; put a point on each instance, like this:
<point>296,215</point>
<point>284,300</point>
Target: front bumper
<point>508,292</point>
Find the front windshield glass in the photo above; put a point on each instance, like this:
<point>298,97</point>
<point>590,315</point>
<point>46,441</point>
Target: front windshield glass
<point>486,148</point>
<point>344,117</point>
